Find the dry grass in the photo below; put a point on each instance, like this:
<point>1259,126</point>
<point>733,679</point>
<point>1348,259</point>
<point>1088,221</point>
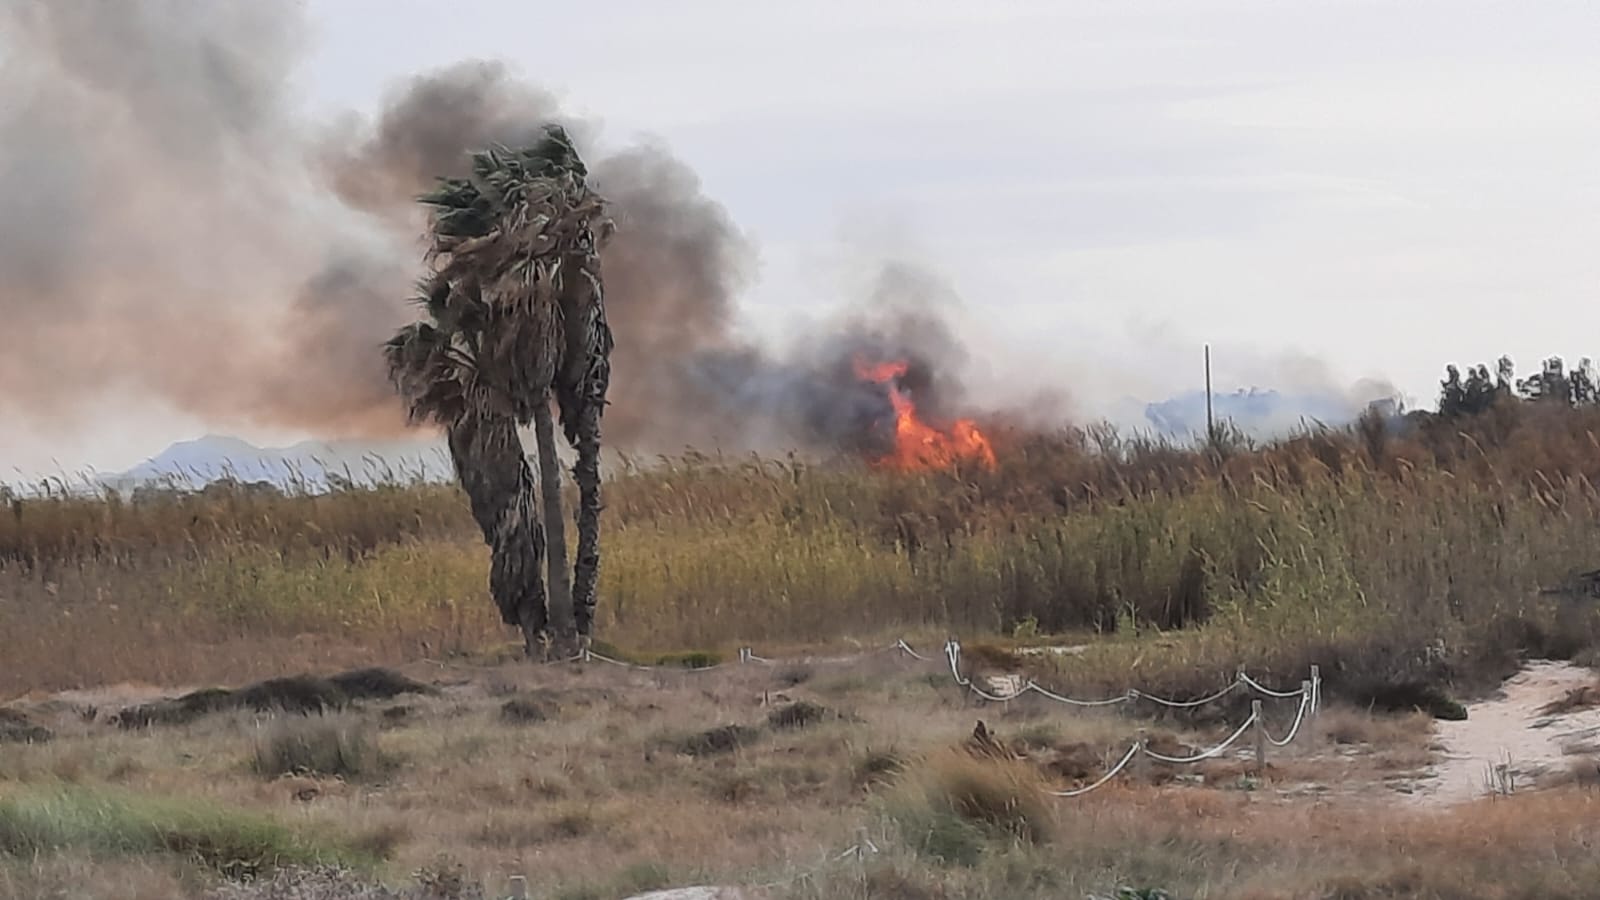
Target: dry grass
<point>1348,725</point>
<point>1400,566</point>
<point>954,806</point>
<point>333,746</point>
<point>1209,846</point>
<point>1310,549</point>
<point>599,801</point>
<point>1586,697</point>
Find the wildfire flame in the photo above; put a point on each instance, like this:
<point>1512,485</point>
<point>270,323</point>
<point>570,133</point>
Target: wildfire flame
<point>918,445</point>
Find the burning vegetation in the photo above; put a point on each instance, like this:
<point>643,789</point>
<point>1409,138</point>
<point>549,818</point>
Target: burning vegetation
<point>917,444</point>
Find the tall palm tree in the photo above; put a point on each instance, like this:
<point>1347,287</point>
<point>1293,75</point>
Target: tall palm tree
<point>515,318</point>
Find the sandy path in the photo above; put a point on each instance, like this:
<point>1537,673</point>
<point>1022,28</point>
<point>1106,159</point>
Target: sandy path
<point>1508,730</point>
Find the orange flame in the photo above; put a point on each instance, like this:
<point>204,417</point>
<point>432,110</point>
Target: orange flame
<point>918,445</point>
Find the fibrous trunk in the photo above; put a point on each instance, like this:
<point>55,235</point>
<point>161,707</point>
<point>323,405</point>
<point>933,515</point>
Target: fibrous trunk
<point>587,473</point>
<point>494,473</point>
<point>563,632</point>
<point>586,376</point>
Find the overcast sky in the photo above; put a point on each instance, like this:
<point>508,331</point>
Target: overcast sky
<point>1324,191</point>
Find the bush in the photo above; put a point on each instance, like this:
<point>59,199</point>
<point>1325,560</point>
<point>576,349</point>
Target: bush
<point>335,746</point>
<point>524,711</point>
<point>715,741</point>
<point>954,807</point>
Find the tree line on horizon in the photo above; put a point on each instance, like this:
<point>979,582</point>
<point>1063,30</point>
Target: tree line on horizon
<point>1479,391</point>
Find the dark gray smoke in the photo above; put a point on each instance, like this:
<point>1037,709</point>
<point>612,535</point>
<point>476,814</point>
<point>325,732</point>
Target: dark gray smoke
<point>815,396</point>
<point>171,225</point>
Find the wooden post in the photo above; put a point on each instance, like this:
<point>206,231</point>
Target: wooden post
<point>1261,738</point>
<point>1308,696</point>
<point>1316,690</point>
<point>1140,767</point>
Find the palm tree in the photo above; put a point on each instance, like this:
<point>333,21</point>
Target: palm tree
<point>515,319</point>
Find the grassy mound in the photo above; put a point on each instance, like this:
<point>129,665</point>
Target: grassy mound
<point>16,728</point>
<point>292,694</point>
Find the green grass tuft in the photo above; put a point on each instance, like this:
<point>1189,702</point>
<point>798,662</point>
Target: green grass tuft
<point>104,822</point>
<point>954,808</point>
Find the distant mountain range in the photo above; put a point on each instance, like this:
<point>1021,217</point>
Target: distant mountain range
<point>317,465</point>
<point>312,465</point>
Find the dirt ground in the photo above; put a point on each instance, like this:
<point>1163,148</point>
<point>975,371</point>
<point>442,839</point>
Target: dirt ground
<point>1514,739</point>
<point>762,772</point>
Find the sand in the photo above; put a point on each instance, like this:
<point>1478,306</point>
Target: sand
<point>1506,744</point>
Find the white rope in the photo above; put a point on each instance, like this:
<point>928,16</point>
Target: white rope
<point>1205,754</point>
<point>1309,692</point>
<point>1269,691</point>
<point>905,648</point>
<point>1305,704</point>
<point>1121,764</point>
<point>994,698</point>
<point>588,655</point>
<point>1189,704</point>
<point>1059,698</point>
<point>858,851</point>
<point>952,652</point>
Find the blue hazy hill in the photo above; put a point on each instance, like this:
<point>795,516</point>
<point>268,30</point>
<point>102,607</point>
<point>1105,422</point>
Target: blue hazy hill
<point>1257,412</point>
<point>311,465</point>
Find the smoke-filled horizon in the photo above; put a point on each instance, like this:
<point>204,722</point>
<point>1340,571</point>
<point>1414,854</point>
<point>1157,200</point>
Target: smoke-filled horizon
<point>175,228</point>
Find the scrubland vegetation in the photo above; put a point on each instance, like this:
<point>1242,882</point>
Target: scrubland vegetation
<point>1405,556</point>
<point>1412,548</point>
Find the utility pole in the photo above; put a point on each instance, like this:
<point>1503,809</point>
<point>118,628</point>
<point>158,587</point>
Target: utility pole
<point>1211,425</point>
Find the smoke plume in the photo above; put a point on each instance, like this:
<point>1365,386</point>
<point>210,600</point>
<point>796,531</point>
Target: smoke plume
<point>172,226</point>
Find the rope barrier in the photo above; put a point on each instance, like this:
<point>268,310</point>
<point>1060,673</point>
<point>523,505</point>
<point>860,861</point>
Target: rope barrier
<point>1205,754</point>
<point>618,662</point>
<point>1299,717</point>
<point>1269,691</point>
<point>904,647</point>
<point>953,656</point>
<point>1112,773</point>
<point>1190,704</point>
<point>1060,698</point>
<point>1309,692</point>
<point>952,649</point>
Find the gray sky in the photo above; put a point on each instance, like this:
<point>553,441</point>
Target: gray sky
<point>1324,191</point>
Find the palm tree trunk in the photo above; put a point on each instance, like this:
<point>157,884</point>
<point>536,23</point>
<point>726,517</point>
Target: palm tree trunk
<point>563,629</point>
<point>581,394</point>
<point>493,471</point>
<point>586,568</point>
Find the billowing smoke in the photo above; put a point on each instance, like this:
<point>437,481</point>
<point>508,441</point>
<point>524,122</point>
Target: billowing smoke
<point>174,227</point>
<point>165,231</point>
<point>814,394</point>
